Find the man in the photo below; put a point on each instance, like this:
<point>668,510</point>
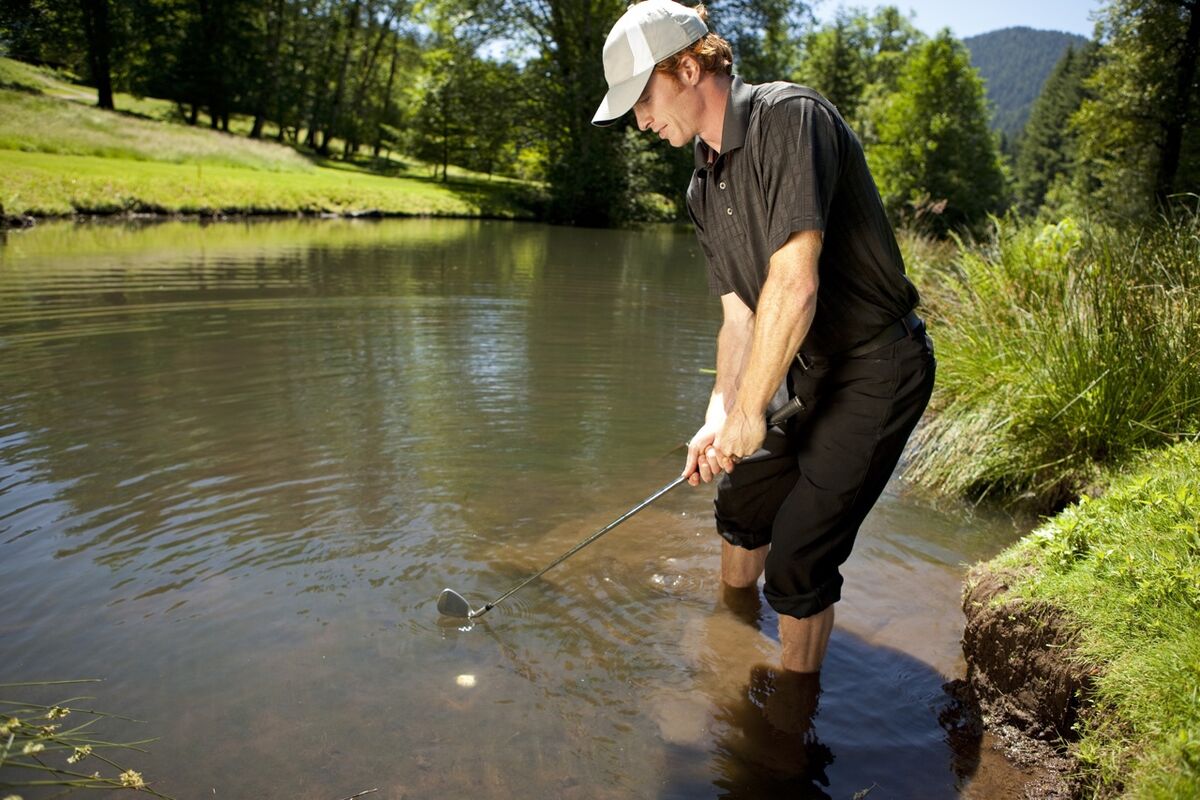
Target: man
<point>816,306</point>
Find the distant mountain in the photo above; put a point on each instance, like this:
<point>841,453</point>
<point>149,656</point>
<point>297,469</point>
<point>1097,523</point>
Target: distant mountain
<point>1015,62</point>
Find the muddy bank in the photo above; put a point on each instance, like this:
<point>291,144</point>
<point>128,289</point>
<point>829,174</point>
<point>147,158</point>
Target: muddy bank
<point>1023,673</point>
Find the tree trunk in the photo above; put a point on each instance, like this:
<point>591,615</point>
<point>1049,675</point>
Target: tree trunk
<point>446,133</point>
<point>99,37</point>
<point>340,87</point>
<point>387,97</point>
<point>1185,76</point>
<point>366,71</point>
<point>268,87</point>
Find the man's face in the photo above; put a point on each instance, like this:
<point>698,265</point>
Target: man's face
<point>667,108</point>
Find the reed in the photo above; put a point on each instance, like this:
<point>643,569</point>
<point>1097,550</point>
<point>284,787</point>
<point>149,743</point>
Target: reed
<point>51,746</point>
<point>1062,349</point>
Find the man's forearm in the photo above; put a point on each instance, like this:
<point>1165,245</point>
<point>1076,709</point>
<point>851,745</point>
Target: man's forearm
<point>785,312</point>
<point>733,346</point>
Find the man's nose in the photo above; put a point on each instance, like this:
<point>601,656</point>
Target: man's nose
<point>643,120</point>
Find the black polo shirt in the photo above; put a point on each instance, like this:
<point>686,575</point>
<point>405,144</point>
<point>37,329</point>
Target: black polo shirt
<point>790,163</point>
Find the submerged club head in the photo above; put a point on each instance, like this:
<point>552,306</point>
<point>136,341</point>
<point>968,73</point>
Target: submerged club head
<point>453,604</point>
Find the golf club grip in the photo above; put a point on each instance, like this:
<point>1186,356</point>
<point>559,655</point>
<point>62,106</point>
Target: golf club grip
<point>793,407</point>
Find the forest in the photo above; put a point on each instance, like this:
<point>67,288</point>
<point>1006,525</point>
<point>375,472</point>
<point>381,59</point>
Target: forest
<point>507,87</point>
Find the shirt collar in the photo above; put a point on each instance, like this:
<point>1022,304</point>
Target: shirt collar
<point>733,129</point>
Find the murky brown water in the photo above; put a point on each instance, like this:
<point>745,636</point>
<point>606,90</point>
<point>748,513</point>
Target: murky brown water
<point>238,462</point>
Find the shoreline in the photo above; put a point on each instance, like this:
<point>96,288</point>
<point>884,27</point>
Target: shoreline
<point>1080,639</point>
<point>24,221</point>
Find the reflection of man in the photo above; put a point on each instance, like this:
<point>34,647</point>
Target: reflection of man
<point>815,304</point>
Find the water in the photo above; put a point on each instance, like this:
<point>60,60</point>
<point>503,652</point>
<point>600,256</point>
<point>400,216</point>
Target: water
<point>238,463</point>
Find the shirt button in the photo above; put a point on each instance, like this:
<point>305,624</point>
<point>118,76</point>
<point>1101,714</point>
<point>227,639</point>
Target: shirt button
<point>729,211</point>
<point>722,184</point>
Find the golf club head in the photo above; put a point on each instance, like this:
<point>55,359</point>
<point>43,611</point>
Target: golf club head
<point>453,604</point>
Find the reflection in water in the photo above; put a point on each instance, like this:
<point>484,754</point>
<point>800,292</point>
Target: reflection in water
<point>238,462</point>
<point>772,748</point>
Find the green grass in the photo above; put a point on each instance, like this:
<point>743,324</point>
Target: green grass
<point>1127,567</point>
<point>50,184</point>
<point>1062,350</point>
<point>59,154</point>
<point>41,124</point>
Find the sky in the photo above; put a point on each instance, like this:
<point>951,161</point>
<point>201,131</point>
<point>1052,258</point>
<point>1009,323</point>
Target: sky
<point>969,17</point>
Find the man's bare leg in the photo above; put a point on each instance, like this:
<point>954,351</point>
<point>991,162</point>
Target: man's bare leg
<point>741,567</point>
<point>804,640</point>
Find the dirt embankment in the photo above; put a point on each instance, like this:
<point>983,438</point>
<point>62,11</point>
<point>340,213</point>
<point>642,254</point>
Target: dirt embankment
<point>1029,688</point>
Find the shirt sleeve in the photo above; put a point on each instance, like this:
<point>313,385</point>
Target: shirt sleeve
<point>801,164</point>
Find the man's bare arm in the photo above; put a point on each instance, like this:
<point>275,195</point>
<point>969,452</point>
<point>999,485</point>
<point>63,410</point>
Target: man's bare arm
<point>733,348</point>
<point>785,312</point>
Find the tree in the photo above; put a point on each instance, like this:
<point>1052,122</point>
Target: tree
<point>835,63</point>
<point>856,60</point>
<point>1138,132</point>
<point>936,162</point>
<point>43,32</point>
<point>586,165</point>
<point>765,35</point>
<point>1048,145</point>
<point>99,46</point>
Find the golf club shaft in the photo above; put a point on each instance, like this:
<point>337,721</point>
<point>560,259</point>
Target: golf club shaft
<point>583,544</point>
<point>789,410</point>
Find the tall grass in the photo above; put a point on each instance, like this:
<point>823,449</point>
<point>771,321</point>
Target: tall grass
<point>1062,349</point>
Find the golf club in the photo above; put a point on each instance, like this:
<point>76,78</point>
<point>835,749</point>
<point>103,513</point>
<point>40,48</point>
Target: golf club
<point>452,604</point>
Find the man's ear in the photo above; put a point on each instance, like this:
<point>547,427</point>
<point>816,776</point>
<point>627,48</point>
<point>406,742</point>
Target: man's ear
<point>689,70</point>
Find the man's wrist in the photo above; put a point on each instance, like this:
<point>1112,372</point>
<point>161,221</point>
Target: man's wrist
<point>750,411</point>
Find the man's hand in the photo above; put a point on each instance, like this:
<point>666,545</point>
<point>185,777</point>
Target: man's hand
<point>702,459</point>
<point>741,436</point>
<point>721,443</point>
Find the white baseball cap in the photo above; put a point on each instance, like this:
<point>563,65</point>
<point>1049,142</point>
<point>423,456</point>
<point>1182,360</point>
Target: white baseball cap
<point>644,35</point>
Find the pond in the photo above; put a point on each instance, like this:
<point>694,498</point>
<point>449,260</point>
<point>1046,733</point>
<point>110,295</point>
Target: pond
<point>239,461</point>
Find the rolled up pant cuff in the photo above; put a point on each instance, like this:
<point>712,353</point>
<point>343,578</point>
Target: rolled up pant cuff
<point>808,604</point>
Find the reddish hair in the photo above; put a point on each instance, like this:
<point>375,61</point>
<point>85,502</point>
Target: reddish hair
<point>711,51</point>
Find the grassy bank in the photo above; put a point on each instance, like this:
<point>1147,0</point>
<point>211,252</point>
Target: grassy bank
<point>1126,568</point>
<point>61,156</point>
<point>1063,350</point>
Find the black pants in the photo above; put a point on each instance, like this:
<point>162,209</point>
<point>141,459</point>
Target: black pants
<point>807,491</point>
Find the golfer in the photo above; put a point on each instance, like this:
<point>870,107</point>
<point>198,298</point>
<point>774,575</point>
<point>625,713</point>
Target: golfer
<point>816,308</point>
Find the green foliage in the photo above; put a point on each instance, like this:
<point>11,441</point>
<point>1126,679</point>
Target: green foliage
<point>764,34</point>
<point>856,62</point>
<point>1126,567</point>
<point>1015,64</point>
<point>1046,160</point>
<point>936,162</point>
<point>586,165</point>
<point>1137,133</point>
<point>43,32</point>
<point>1062,349</point>
<point>836,63</point>
<point>469,111</point>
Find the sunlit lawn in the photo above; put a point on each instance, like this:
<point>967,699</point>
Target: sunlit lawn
<point>59,154</point>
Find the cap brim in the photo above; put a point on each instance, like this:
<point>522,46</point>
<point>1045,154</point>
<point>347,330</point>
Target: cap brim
<point>620,98</point>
